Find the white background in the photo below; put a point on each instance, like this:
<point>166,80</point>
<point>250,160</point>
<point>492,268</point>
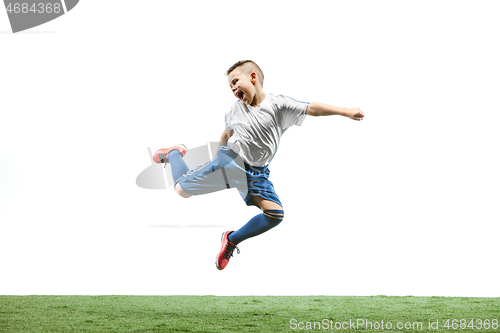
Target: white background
<point>403,203</point>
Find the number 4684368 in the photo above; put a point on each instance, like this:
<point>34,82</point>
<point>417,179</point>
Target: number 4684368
<point>36,8</point>
<point>473,323</point>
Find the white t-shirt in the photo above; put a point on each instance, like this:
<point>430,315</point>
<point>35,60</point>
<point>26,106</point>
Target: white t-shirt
<point>257,130</point>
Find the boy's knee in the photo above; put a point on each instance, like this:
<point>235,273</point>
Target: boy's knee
<point>276,215</point>
<point>180,191</point>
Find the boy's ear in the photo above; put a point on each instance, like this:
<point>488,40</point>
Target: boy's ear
<point>253,77</point>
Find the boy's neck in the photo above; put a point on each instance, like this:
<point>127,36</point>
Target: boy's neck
<point>259,97</point>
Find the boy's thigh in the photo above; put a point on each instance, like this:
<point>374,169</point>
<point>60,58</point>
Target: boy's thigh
<point>265,204</point>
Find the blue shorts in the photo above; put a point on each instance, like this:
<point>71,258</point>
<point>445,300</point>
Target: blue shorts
<point>228,170</point>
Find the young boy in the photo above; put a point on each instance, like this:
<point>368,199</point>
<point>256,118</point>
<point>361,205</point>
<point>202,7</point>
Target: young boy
<point>255,123</point>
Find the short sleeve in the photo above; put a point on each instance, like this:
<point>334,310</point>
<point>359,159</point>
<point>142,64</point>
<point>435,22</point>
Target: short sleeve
<point>292,112</point>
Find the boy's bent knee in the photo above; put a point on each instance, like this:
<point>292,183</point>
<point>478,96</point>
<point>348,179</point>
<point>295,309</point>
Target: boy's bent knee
<point>275,215</point>
<point>180,191</point>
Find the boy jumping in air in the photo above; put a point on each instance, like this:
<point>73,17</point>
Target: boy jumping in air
<point>255,123</point>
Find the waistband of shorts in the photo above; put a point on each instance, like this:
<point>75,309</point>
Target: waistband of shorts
<point>255,168</point>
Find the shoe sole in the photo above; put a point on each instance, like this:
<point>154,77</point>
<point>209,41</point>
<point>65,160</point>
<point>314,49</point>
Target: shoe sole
<point>217,256</point>
<point>217,262</point>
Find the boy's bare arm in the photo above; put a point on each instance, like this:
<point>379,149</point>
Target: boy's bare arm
<point>225,137</point>
<point>320,109</point>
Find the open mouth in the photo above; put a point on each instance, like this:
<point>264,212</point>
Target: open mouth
<point>240,95</point>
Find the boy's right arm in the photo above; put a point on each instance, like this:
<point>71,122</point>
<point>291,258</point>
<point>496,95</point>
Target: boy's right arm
<point>225,137</point>
<point>320,109</point>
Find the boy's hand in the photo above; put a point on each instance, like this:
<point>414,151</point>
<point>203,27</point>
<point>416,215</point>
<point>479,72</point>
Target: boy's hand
<point>355,114</point>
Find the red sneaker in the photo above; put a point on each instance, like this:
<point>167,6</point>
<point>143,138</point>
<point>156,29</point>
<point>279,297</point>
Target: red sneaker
<point>226,252</point>
<point>161,156</point>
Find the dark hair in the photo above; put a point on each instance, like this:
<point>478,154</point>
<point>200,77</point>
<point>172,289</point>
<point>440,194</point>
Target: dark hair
<point>241,63</point>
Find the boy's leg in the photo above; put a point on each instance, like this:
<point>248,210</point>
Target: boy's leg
<point>174,156</point>
<point>272,215</point>
<point>215,175</point>
<point>180,191</point>
<point>265,204</point>
<point>179,168</point>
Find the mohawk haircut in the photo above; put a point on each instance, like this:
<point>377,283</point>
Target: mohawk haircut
<point>248,66</point>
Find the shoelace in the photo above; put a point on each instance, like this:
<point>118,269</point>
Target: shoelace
<point>163,158</point>
<point>228,251</point>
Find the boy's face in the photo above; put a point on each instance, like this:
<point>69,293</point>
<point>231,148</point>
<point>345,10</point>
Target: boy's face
<point>243,85</point>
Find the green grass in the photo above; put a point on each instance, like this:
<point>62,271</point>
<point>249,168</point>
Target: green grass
<point>236,314</point>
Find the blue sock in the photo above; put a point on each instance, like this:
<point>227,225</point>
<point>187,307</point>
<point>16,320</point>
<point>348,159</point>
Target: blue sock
<point>258,224</point>
<point>179,167</point>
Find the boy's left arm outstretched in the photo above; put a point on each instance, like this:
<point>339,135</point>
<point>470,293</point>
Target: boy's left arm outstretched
<point>319,109</point>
